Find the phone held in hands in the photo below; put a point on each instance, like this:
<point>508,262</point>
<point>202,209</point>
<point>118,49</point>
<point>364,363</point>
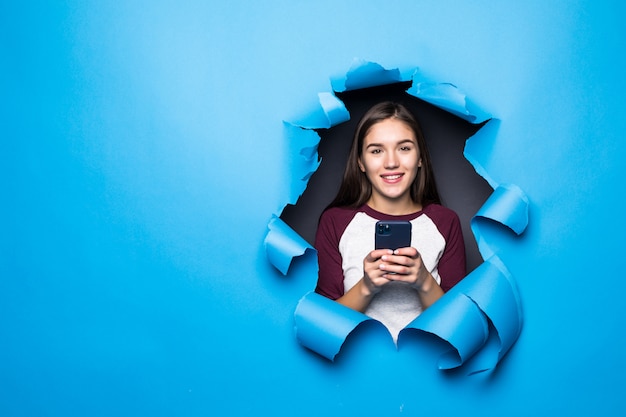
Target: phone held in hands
<point>392,234</point>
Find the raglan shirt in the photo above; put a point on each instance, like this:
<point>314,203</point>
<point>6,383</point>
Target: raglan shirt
<point>346,235</point>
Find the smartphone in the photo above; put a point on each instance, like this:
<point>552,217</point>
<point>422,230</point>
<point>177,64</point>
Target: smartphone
<point>393,234</point>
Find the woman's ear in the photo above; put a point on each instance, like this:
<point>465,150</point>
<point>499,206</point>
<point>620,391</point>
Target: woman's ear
<point>362,167</point>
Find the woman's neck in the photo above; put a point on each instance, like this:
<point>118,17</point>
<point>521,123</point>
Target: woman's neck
<point>393,207</point>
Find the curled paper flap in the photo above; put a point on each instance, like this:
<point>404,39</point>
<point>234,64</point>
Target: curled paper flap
<point>456,320</point>
<point>334,109</point>
<point>483,311</point>
<point>323,325</point>
<point>329,111</point>
<point>449,98</point>
<point>478,148</point>
<point>364,74</point>
<point>495,292</point>
<point>282,244</point>
<point>304,160</point>
<point>507,205</point>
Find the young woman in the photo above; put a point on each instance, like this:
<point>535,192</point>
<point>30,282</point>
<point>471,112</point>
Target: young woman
<point>388,176</point>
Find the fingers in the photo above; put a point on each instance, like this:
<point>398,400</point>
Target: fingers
<point>375,255</point>
<point>384,265</point>
<point>409,251</point>
<point>373,275</point>
<point>407,257</point>
<point>396,268</point>
<point>398,256</point>
<point>404,264</point>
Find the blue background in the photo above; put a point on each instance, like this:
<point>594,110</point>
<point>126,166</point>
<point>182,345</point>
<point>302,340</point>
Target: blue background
<point>143,155</point>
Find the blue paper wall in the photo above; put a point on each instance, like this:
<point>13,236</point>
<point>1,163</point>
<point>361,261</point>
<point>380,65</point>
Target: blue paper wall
<point>143,154</point>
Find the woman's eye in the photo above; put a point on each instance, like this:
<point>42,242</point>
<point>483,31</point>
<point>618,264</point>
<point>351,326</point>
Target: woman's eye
<point>376,151</point>
<point>405,148</point>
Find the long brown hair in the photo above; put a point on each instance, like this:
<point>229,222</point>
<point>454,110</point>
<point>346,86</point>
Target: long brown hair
<point>356,189</point>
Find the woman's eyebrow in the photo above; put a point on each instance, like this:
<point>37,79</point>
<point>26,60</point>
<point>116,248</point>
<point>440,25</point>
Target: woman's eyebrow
<point>400,142</point>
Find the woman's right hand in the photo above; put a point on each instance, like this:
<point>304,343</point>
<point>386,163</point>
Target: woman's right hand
<point>372,273</point>
<point>359,296</point>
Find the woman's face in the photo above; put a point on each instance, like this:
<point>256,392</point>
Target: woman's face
<point>390,159</point>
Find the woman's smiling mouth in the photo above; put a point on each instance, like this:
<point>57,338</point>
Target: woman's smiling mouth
<point>391,178</point>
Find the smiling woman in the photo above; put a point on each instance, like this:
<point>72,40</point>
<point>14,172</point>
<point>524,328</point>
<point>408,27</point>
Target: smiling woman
<point>388,176</point>
<point>445,135</point>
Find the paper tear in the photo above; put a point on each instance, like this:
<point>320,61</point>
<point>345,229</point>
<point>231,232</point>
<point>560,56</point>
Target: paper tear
<point>364,74</point>
<point>334,109</point>
<point>304,141</point>
<point>448,97</point>
<point>507,205</point>
<point>329,111</point>
<point>456,320</point>
<point>304,158</point>
<point>478,148</point>
<point>323,325</point>
<point>282,244</point>
<point>481,317</point>
<point>489,289</point>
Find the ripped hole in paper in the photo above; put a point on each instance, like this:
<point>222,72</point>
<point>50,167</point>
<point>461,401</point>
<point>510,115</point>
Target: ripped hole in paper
<point>481,317</point>
<point>460,187</point>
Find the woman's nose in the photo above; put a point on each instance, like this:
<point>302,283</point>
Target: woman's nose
<point>391,160</point>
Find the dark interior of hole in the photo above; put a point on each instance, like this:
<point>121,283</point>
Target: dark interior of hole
<point>460,187</point>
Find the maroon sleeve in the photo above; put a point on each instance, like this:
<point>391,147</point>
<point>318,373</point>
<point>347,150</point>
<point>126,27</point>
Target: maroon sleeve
<point>330,276</point>
<point>451,266</point>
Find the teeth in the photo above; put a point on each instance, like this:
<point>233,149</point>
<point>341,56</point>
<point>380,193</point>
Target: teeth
<point>391,177</point>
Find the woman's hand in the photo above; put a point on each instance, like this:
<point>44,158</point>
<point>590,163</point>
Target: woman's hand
<point>373,275</point>
<point>382,266</point>
<point>360,295</point>
<point>404,264</point>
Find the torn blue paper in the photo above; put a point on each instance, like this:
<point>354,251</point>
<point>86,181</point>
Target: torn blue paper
<point>507,205</point>
<point>323,325</point>
<point>481,317</point>
<point>364,74</point>
<point>462,316</point>
<point>478,148</point>
<point>282,244</point>
<point>329,111</point>
<point>448,97</point>
<point>303,158</point>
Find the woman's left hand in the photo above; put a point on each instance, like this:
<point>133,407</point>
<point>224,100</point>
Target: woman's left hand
<point>405,265</point>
